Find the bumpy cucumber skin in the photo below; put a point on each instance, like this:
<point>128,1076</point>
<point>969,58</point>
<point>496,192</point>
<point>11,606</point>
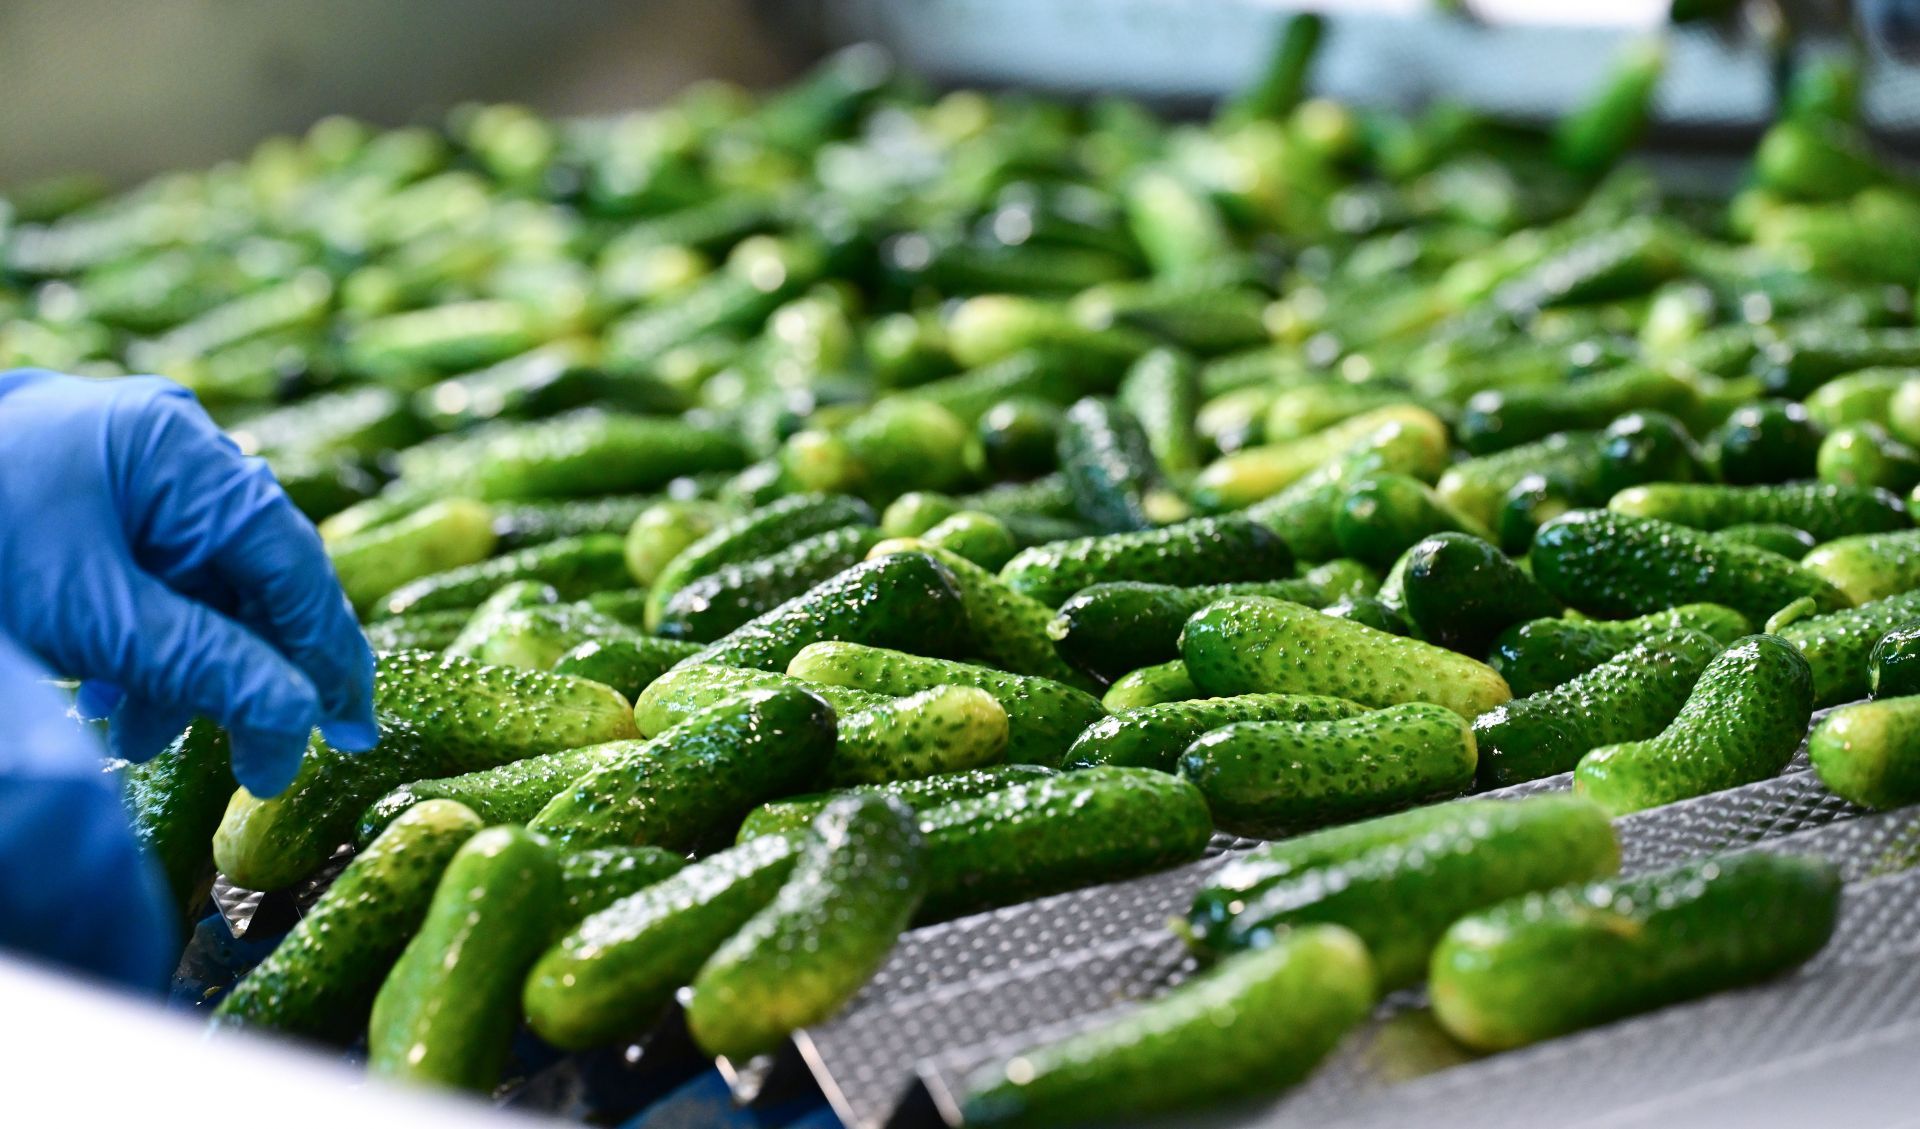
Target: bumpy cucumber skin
<point>174,803</point>
<point>537,523</point>
<point>777,817</point>
<point>488,715</point>
<point>444,535</point>
<point>661,532</point>
<point>1824,510</point>
<point>1838,646</point>
<point>1871,566</point>
<point>1892,671</point>
<point>1155,736</point>
<point>426,631</point>
<point>1256,1024</point>
<point>940,729</point>
<point>691,687</point>
<point>1124,625</point>
<point>1630,697</point>
<point>1249,645</point>
<point>1303,513</point>
<point>1043,716</point>
<point>696,780</point>
<point>1457,591</point>
<point>1210,550</point>
<point>510,793</point>
<point>612,974</point>
<point>1870,752</point>
<point>1614,565</point>
<point>1010,630</point>
<point>1067,831</point>
<point>1105,459</point>
<point>576,567</point>
<point>581,454</point>
<point>1400,896</point>
<point>768,529</point>
<point>905,600</point>
<point>857,883</point>
<point>1477,487</point>
<point>1150,686</point>
<point>1384,516</point>
<point>1162,390</point>
<point>447,1009</point>
<point>1742,722</point>
<point>627,665</point>
<point>536,638</point>
<point>1270,778</point>
<point>1774,537</point>
<point>320,981</point>
<point>712,605</point>
<point>977,537</point>
<point>595,878</point>
<point>1550,963</point>
<point>1544,653</point>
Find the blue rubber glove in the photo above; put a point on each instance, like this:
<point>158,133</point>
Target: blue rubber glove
<point>75,887</point>
<point>140,551</point>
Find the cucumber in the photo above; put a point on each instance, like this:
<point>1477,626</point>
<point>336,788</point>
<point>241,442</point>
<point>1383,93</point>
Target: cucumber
<point>487,715</point>
<point>1891,670</point>
<point>1782,540</point>
<point>1864,456</point>
<point>1838,646</point>
<point>1255,474</point>
<point>528,524</point>
<point>174,803</point>
<point>575,567</point>
<point>1398,881</point>
<point>694,782</point>
<point>444,535</point>
<point>858,881</point>
<point>1869,752</point>
<point>1117,484</point>
<point>1255,1025</point>
<point>1630,697</point>
<point>628,605</point>
<point>1017,438</point>
<point>1155,736</point>
<point>1043,717</point>
<point>1209,550</point>
<point>1271,778</point>
<point>1384,516</point>
<point>1870,566</point>
<point>712,605</point>
<point>903,600</point>
<point>1303,513</point>
<point>1600,131</point>
<point>509,793</point>
<point>1495,420</point>
<point>1540,654</point>
<point>1459,592</point>
<point>627,665</point>
<point>1124,625</point>
<point>424,631</point>
<point>1742,722</point>
<point>320,981</point>
<point>1059,833</point>
<point>1162,390</point>
<point>1610,564</point>
<point>1825,510</point>
<point>577,455</point>
<point>1550,963</point>
<point>973,536</point>
<point>1150,686</point>
<point>896,445</point>
<point>1768,441</point>
<point>594,879</point>
<point>768,529</point>
<point>691,687</point>
<point>611,975</point>
<point>1312,408</point>
<point>1814,353</point>
<point>1010,631</point>
<point>1477,487</point>
<point>794,813</point>
<point>536,638</point>
<point>1250,645</point>
<point>445,1013</point>
<point>1858,397</point>
<point>663,531</point>
<point>939,729</point>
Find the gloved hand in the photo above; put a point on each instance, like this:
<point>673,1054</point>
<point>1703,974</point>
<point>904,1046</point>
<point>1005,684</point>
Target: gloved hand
<point>75,886</point>
<point>140,551</point>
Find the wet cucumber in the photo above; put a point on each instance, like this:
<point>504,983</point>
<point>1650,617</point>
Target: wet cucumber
<point>1150,686</point>
<point>1303,513</point>
<point>627,665</point>
<point>923,794</point>
<point>904,600</point>
<point>1400,880</point>
<point>1630,697</point>
<point>447,1009</point>
<point>664,530</point>
<point>1611,564</point>
<point>1863,456</point>
<point>1010,630</point>
<point>1891,669</point>
<point>612,974</point>
<point>859,879</point>
<point>1256,1024</point>
<point>575,567</point>
<point>1250,645</point>
<point>537,638</point>
<point>977,537</point>
<point>1742,722</point>
<point>1162,390</point>
<point>1255,474</point>
<point>1764,442</point>
<point>445,535</point>
<point>712,605</point>
<point>1272,778</point>
<point>1824,510</point>
<point>595,878</point>
<point>537,523</point>
<point>768,529</point>
<point>691,687</point>
<point>509,793</point>
<point>1838,646</point>
<point>1155,736</point>
<point>1543,653</point>
<point>1774,537</point>
<point>425,631</point>
<point>1870,566</point>
<point>1209,550</point>
<point>1498,419</point>
<point>487,715</point>
<point>1477,487</point>
<point>577,455</point>
<point>1043,716</point>
<point>694,782</point>
<point>174,803</point>
<point>1550,963</point>
<point>320,981</point>
<point>1117,483</point>
<point>1459,592</point>
<point>940,729</point>
<point>1384,516</point>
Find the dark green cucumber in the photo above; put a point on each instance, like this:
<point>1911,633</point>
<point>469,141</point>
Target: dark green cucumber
<point>857,883</point>
<point>903,600</point>
<point>627,665</point>
<point>1544,653</point>
<point>1384,516</point>
<point>1458,591</point>
<point>973,536</point>
<point>1400,880</point>
<point>1209,550</point>
<point>509,793</point>
<point>1551,963</point>
<point>1150,686</point>
<point>1803,360</point>
<point>580,454</point>
<point>320,981</point>
<point>1250,645</point>
<point>1010,631</point>
<point>612,974</point>
<point>1611,564</point>
<point>1255,1025</point>
<point>1630,697</point>
<point>1162,390</point>
<point>1838,646</point>
<point>595,878</point>
<point>1043,716</point>
<point>694,782</point>
<point>575,567</point>
<point>1742,722</point>
<point>1117,483</point>
<point>628,605</point>
<point>424,631</point>
<point>768,529</point>
<point>1609,122</point>
<point>537,523</point>
<point>1075,829</point>
<point>794,813</point>
<point>1478,487</point>
<point>1824,510</point>
<point>1124,625</point>
<point>1891,669</point>
<point>712,605</point>
<point>1496,420</point>
<point>1871,566</point>
<point>1774,537</point>
<point>1271,778</point>
<point>1763,442</point>
<point>174,803</point>
<point>1155,736</point>
<point>1017,438</point>
<point>446,1011</point>
<point>447,534</point>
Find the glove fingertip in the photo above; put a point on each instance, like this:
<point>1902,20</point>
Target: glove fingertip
<point>350,735</point>
<point>266,763</point>
<point>97,699</point>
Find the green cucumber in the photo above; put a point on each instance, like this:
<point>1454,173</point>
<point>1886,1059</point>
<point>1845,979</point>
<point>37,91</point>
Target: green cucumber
<point>536,638</point>
<point>487,715</point>
<point>424,631</point>
<point>1254,474</point>
<point>1250,645</point>
<point>528,524</point>
<point>1271,778</point>
<point>174,803</point>
<point>1864,456</point>
<point>1742,722</point>
<point>776,817</point>
<point>1384,516</point>
<point>1117,484</point>
<point>1017,438</point>
<point>509,793</point>
<point>445,1013</point>
<point>1124,625</point>
<point>1477,487</point>
<point>939,729</point>
<point>575,567</point>
<point>581,454</point>
<point>1543,653</point>
<point>1869,752</point>
<point>446,534</point>
<point>1825,510</point>
<point>1150,686</point>
<point>595,878</point>
<point>1459,592</point>
<point>1210,550</point>
<point>1550,963</point>
<point>1495,420</point>
<point>691,687</point>
<point>627,665</point>
<point>1891,669</point>
<point>1303,513</point>
<point>709,606</point>
<point>628,605</point>
<point>1162,390</point>
<point>662,532</point>
<point>1858,397</point>
<point>768,529</point>
<point>1838,646</point>
<point>1869,566</point>
<point>1010,630</point>
<point>1774,537</point>
<point>1768,441</point>
<point>1155,736</point>
<point>857,883</point>
<point>973,536</point>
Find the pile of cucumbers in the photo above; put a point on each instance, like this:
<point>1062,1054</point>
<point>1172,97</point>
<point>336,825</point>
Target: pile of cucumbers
<point>785,520</point>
